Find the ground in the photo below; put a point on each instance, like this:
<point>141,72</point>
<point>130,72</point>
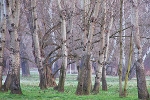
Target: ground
<point>31,91</point>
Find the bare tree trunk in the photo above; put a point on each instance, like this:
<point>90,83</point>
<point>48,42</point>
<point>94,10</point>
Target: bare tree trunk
<point>84,66</point>
<point>84,82</point>
<point>121,52</point>
<point>32,21</point>
<point>128,68</point>
<point>104,83</point>
<point>1,67</point>
<point>124,31</point>
<point>36,45</point>
<point>100,70</point>
<point>25,67</point>
<point>64,58</point>
<point>2,36</point>
<point>123,42</point>
<point>50,77</point>
<point>24,62</point>
<point>77,65</point>
<point>7,82</point>
<point>83,87</point>
<point>14,10</point>
<point>100,64</point>
<point>64,49</point>
<point>141,81</point>
<point>104,86</point>
<point>50,70</point>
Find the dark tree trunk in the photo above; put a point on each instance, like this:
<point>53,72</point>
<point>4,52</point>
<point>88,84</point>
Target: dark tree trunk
<point>96,85</point>
<point>61,79</point>
<point>132,72</point>
<point>80,78</point>
<point>5,68</point>
<point>104,83</point>
<point>24,62</point>
<point>78,72</point>
<point>43,81</point>
<point>7,83</point>
<point>123,73</point>
<point>87,85</point>
<point>25,69</point>
<point>84,81</point>
<point>141,81</point>
<point>97,79</point>
<point>15,84</point>
<point>50,78</point>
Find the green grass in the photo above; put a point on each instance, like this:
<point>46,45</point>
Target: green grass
<point>31,91</point>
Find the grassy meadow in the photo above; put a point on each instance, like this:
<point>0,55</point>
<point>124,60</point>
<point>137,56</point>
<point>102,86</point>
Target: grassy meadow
<point>31,91</point>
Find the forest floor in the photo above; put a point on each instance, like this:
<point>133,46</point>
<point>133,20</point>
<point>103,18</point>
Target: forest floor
<point>31,91</point>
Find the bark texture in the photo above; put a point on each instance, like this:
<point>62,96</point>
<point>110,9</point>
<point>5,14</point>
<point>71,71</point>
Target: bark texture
<point>1,68</point>
<point>24,62</point>
<point>63,15</point>
<point>2,36</point>
<point>13,7</point>
<point>141,81</point>
<point>121,52</point>
<point>7,82</point>
<point>128,68</point>
<point>25,68</point>
<point>101,52</point>
<point>84,82</point>
<point>50,77</point>
<point>42,61</point>
<point>104,83</point>
<point>36,46</point>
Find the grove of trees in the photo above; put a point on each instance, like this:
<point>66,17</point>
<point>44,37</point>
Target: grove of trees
<point>53,34</point>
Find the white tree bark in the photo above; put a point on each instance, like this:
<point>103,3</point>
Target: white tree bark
<point>84,82</point>
<point>145,55</point>
<point>124,33</point>
<point>36,45</point>
<point>1,67</point>
<point>107,37</point>
<point>14,10</point>
<point>113,50</point>
<point>64,47</point>
<point>102,45</point>
<point>104,83</point>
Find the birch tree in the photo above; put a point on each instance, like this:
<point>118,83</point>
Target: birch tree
<point>84,82</point>
<point>123,41</point>
<point>128,68</point>
<point>62,76</point>
<point>36,46</point>
<point>102,58</point>
<point>2,36</point>
<point>107,44</point>
<point>141,81</point>
<point>1,68</point>
<point>13,7</point>
<point>44,40</point>
<point>104,83</point>
<point>121,51</point>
